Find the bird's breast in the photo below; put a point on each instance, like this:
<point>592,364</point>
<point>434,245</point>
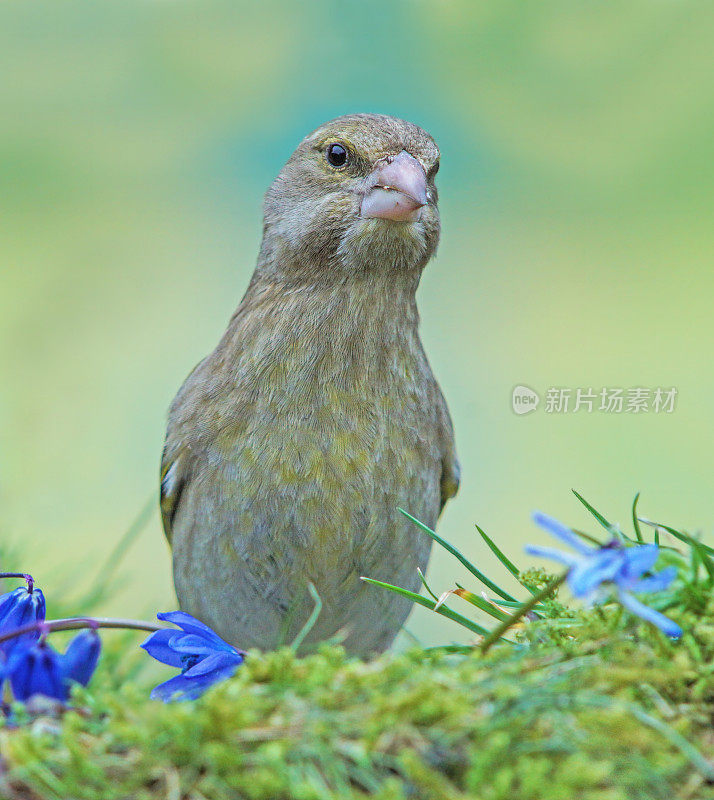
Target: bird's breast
<point>326,437</point>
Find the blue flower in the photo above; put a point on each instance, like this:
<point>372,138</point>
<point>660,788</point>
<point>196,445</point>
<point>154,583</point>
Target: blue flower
<point>592,571</point>
<point>80,658</point>
<point>36,670</point>
<point>18,608</point>
<point>39,669</point>
<point>201,655</point>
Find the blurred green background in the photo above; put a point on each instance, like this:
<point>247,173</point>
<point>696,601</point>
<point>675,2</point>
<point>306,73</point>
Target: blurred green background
<point>137,139</point>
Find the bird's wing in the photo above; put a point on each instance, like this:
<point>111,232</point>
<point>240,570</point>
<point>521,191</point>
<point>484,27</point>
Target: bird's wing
<point>173,480</point>
<point>450,469</point>
<point>179,449</point>
<point>203,404</point>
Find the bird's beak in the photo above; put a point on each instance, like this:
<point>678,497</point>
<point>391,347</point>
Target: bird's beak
<point>395,190</point>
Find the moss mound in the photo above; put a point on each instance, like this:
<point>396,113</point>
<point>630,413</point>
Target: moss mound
<point>594,712</point>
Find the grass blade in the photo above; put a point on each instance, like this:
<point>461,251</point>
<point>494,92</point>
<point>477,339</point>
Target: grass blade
<point>598,516</point>
<point>500,555</point>
<point>480,603</point>
<point>683,537</point>
<point>538,611</point>
<point>699,549</point>
<point>587,537</point>
<point>694,566</point>
<point>311,620</point>
<point>427,602</point>
<point>635,521</point>
<point>517,604</point>
<point>454,552</point>
<point>457,649</point>
<point>426,585</point>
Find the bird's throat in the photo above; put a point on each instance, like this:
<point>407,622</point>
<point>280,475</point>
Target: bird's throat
<point>349,332</point>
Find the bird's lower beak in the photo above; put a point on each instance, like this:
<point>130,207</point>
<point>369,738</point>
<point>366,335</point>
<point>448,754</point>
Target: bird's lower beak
<point>396,190</point>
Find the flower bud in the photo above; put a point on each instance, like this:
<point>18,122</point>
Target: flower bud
<point>37,670</point>
<point>40,669</point>
<point>81,656</point>
<point>17,608</point>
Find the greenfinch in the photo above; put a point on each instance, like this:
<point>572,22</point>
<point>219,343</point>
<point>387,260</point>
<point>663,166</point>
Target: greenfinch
<point>292,445</point>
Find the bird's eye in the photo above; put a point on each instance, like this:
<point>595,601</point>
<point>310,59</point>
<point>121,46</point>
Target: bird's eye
<point>434,169</point>
<point>337,154</point>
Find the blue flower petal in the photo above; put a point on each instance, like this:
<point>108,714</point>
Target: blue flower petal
<point>655,583</point>
<point>639,559</point>
<point>183,687</point>
<point>80,659</point>
<point>562,532</point>
<point>179,688</point>
<point>190,624</point>
<point>18,608</point>
<point>198,645</point>
<point>216,662</point>
<point>665,624</point>
<point>8,602</point>
<point>553,554</point>
<point>158,646</point>
<point>603,566</point>
<point>36,670</point>
<point>228,670</point>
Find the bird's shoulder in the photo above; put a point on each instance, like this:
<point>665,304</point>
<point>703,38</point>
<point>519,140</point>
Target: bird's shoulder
<point>450,466</point>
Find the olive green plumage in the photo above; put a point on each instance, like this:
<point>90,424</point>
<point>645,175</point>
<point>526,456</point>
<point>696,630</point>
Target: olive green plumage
<point>290,447</point>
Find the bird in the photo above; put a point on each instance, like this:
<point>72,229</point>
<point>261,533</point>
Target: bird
<point>291,447</point>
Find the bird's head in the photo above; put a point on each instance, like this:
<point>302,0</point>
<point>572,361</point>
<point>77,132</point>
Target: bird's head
<point>357,195</point>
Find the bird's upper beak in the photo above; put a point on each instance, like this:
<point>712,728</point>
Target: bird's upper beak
<point>395,190</point>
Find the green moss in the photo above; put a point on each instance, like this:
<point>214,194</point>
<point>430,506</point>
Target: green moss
<point>594,712</point>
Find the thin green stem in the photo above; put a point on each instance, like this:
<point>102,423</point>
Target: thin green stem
<point>311,620</point>
<point>635,521</point>
<point>500,629</point>
<point>77,623</point>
